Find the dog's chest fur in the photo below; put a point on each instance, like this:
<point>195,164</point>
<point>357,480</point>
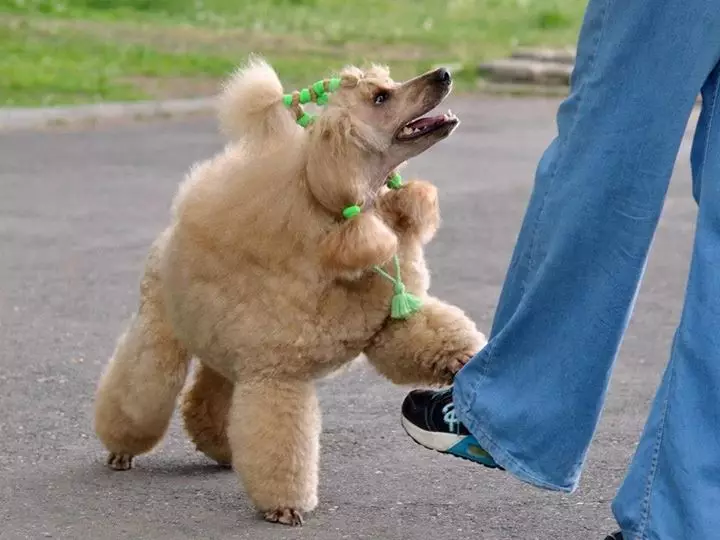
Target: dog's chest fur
<point>289,319</point>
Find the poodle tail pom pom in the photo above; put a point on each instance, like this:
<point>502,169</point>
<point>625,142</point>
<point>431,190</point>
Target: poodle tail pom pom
<point>250,105</point>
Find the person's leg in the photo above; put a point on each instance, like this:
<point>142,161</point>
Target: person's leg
<point>672,489</point>
<point>532,397</point>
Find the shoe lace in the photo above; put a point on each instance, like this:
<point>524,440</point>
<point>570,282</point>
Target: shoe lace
<point>450,418</point>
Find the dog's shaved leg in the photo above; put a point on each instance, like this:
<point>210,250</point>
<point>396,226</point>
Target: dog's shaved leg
<point>274,434</point>
<point>205,409</point>
<point>428,348</point>
<point>137,392</point>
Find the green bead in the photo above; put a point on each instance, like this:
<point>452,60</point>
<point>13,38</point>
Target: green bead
<point>322,100</point>
<point>395,181</point>
<point>305,95</point>
<point>305,120</point>
<point>287,100</point>
<point>334,84</point>
<point>351,211</point>
<point>319,88</point>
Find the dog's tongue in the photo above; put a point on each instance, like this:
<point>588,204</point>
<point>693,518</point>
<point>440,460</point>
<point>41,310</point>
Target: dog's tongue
<point>425,122</point>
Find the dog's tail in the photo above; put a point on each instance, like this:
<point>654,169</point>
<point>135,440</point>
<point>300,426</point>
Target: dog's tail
<point>251,104</point>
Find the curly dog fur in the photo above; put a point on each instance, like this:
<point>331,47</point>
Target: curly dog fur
<point>259,278</point>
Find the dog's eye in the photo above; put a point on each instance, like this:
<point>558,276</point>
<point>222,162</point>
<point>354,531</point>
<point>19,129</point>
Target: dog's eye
<point>380,98</point>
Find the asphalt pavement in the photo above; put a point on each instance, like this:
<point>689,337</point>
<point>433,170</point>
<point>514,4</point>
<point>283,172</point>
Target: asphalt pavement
<point>78,210</point>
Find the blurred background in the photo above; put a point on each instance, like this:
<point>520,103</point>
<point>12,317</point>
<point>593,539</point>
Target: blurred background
<point>56,52</point>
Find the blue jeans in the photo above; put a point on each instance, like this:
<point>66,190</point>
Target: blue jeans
<point>533,396</point>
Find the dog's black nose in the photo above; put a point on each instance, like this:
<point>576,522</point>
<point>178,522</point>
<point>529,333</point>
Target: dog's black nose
<point>443,76</point>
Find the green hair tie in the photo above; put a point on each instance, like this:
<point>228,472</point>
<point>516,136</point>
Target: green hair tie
<point>351,211</point>
<point>318,89</point>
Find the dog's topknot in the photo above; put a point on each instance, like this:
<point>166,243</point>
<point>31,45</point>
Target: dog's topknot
<point>352,75</point>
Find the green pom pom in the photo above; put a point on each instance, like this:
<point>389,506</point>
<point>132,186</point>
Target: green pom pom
<point>395,181</point>
<point>319,88</point>
<point>404,304</point>
<point>287,100</point>
<point>305,96</point>
<point>334,84</point>
<point>305,120</point>
<point>351,211</point>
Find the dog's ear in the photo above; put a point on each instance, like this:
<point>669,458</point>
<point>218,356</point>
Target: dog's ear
<point>334,167</point>
<point>337,166</point>
<point>358,244</point>
<point>337,130</point>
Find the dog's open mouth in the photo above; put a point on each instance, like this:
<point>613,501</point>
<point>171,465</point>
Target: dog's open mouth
<point>426,125</point>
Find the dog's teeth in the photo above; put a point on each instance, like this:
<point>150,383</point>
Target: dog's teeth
<point>416,130</point>
<point>407,130</point>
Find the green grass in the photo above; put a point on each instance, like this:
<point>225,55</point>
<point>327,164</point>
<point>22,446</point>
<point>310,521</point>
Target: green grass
<point>73,51</point>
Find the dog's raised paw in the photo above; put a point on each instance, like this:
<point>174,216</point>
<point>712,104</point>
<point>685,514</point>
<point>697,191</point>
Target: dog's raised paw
<point>459,360</point>
<point>286,516</point>
<point>449,366</point>
<point>119,462</point>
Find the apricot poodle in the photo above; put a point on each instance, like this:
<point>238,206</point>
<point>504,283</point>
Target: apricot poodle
<point>263,280</point>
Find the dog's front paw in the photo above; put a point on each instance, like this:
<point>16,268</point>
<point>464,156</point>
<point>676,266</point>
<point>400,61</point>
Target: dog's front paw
<point>456,351</point>
<point>286,516</point>
<point>413,209</point>
<point>448,365</point>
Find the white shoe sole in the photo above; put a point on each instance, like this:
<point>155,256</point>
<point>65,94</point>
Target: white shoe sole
<point>442,442</point>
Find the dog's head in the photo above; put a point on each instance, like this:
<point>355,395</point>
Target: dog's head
<point>386,117</point>
<point>371,125</point>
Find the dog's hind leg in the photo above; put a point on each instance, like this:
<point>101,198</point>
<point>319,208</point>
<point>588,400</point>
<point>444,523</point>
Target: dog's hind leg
<point>274,433</point>
<point>205,407</point>
<point>137,392</point>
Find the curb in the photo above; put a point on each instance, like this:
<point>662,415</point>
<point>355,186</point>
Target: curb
<point>514,70</point>
<point>554,56</point>
<point>539,70</point>
<point>33,118</point>
<point>542,72</point>
<point>521,90</point>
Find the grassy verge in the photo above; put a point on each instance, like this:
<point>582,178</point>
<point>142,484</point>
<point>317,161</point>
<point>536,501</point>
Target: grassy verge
<point>77,51</point>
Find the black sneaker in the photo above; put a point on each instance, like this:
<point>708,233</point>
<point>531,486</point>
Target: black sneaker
<point>615,536</point>
<point>429,419</point>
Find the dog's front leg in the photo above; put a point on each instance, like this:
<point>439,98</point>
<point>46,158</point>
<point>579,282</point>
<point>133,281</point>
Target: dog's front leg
<point>274,436</point>
<point>428,348</point>
<point>412,210</point>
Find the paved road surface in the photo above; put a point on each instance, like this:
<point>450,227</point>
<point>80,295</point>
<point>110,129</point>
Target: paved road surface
<point>77,213</point>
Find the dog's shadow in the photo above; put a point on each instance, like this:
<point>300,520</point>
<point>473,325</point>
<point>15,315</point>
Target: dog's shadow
<point>170,469</point>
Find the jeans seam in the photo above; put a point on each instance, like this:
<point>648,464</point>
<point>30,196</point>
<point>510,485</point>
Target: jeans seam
<point>646,503</point>
<point>706,150</point>
<point>553,175</point>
